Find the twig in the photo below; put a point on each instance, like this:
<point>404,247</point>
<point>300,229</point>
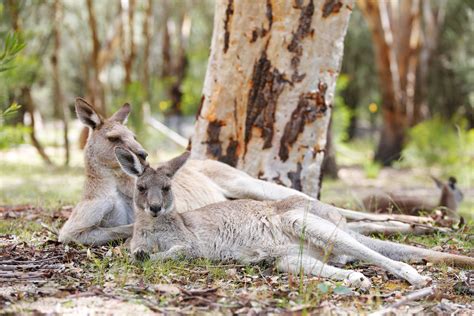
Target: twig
<point>51,229</point>
<point>414,296</point>
<point>198,291</point>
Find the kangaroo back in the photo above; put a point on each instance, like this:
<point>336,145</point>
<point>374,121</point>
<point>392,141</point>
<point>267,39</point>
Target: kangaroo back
<point>450,198</point>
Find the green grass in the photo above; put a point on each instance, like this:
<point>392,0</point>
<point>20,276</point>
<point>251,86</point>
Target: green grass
<point>49,188</point>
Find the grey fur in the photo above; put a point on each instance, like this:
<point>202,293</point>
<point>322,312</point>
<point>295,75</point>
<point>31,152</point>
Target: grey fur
<point>252,231</point>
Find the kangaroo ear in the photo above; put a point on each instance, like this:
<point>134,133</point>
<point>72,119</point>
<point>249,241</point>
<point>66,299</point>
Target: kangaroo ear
<point>86,114</point>
<point>438,182</point>
<point>172,166</point>
<point>129,162</point>
<point>121,115</point>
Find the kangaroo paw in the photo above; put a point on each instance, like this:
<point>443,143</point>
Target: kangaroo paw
<point>358,280</point>
<point>140,255</point>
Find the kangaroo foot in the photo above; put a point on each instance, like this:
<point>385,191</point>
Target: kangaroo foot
<point>358,280</point>
<point>140,255</point>
<point>410,274</point>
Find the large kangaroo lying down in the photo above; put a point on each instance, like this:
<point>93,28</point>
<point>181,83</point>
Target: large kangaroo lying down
<point>253,231</point>
<point>106,214</point>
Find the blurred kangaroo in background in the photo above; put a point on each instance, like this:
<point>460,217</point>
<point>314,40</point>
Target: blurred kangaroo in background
<point>291,231</point>
<point>451,197</point>
<point>105,212</point>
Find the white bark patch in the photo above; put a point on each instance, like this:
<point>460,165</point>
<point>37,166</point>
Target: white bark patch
<point>270,84</point>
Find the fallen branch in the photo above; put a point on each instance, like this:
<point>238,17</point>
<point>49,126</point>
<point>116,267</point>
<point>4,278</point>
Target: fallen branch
<point>168,132</point>
<point>414,296</point>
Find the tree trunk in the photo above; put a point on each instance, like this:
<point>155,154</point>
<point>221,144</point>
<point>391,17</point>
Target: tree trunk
<point>100,57</point>
<point>146,49</point>
<point>28,102</point>
<point>403,46</point>
<point>269,88</point>
<point>60,105</point>
<point>25,98</point>
<point>128,43</point>
<point>330,168</point>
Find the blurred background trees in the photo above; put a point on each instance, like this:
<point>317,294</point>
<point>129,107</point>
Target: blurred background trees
<point>407,73</point>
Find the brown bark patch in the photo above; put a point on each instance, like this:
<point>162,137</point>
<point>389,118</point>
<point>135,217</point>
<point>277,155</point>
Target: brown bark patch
<point>231,156</point>
<point>311,105</point>
<point>331,7</point>
<point>295,177</point>
<point>262,31</point>
<point>303,30</point>
<point>266,86</point>
<point>214,145</point>
<point>229,12</point>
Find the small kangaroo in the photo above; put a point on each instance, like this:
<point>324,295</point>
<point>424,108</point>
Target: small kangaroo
<point>450,198</point>
<point>290,232</point>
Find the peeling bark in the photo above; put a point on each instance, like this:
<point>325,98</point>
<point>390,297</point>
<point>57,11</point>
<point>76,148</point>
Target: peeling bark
<point>269,87</point>
<point>228,20</point>
<point>331,7</point>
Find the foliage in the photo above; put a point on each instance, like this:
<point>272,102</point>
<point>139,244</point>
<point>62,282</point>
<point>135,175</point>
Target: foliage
<point>11,135</point>
<point>12,45</point>
<point>451,71</point>
<point>435,142</point>
<point>342,113</point>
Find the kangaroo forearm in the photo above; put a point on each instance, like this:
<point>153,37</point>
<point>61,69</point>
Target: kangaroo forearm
<point>100,235</point>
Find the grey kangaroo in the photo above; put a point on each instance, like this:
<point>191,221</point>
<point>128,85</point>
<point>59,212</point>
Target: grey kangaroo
<point>451,197</point>
<point>105,212</point>
<point>253,231</point>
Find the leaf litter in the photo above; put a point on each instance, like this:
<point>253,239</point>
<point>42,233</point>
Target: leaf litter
<point>40,275</point>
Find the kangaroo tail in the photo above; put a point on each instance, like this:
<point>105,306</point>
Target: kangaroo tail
<point>403,252</point>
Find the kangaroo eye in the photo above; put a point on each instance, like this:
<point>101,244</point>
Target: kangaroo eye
<point>141,189</point>
<point>114,139</point>
<point>166,189</point>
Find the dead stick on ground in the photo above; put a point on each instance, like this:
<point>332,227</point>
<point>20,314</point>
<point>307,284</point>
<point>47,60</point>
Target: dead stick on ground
<point>414,296</point>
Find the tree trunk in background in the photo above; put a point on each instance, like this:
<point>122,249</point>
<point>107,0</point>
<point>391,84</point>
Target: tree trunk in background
<point>60,105</point>
<point>26,99</point>
<point>128,43</point>
<point>100,57</point>
<point>148,20</point>
<point>94,86</point>
<point>330,168</point>
<point>30,106</point>
<point>166,45</point>
<point>269,88</point>
<point>402,49</point>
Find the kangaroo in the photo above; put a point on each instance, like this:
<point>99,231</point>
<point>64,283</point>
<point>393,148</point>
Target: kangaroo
<point>290,232</point>
<point>450,198</point>
<point>105,212</point>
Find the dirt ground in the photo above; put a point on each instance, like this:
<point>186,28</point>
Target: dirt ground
<point>38,275</point>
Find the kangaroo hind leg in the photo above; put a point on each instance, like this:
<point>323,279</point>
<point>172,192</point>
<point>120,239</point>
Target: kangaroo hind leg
<point>325,235</point>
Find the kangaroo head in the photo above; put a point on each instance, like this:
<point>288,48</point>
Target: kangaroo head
<point>451,196</point>
<point>106,134</point>
<point>152,193</point>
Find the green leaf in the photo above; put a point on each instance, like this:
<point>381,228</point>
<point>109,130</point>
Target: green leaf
<point>323,288</point>
<point>342,290</point>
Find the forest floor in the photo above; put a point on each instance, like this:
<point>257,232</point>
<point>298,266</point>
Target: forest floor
<point>40,275</point>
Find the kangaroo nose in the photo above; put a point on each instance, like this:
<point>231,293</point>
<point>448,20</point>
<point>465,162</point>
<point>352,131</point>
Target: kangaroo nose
<point>142,154</point>
<point>155,208</point>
